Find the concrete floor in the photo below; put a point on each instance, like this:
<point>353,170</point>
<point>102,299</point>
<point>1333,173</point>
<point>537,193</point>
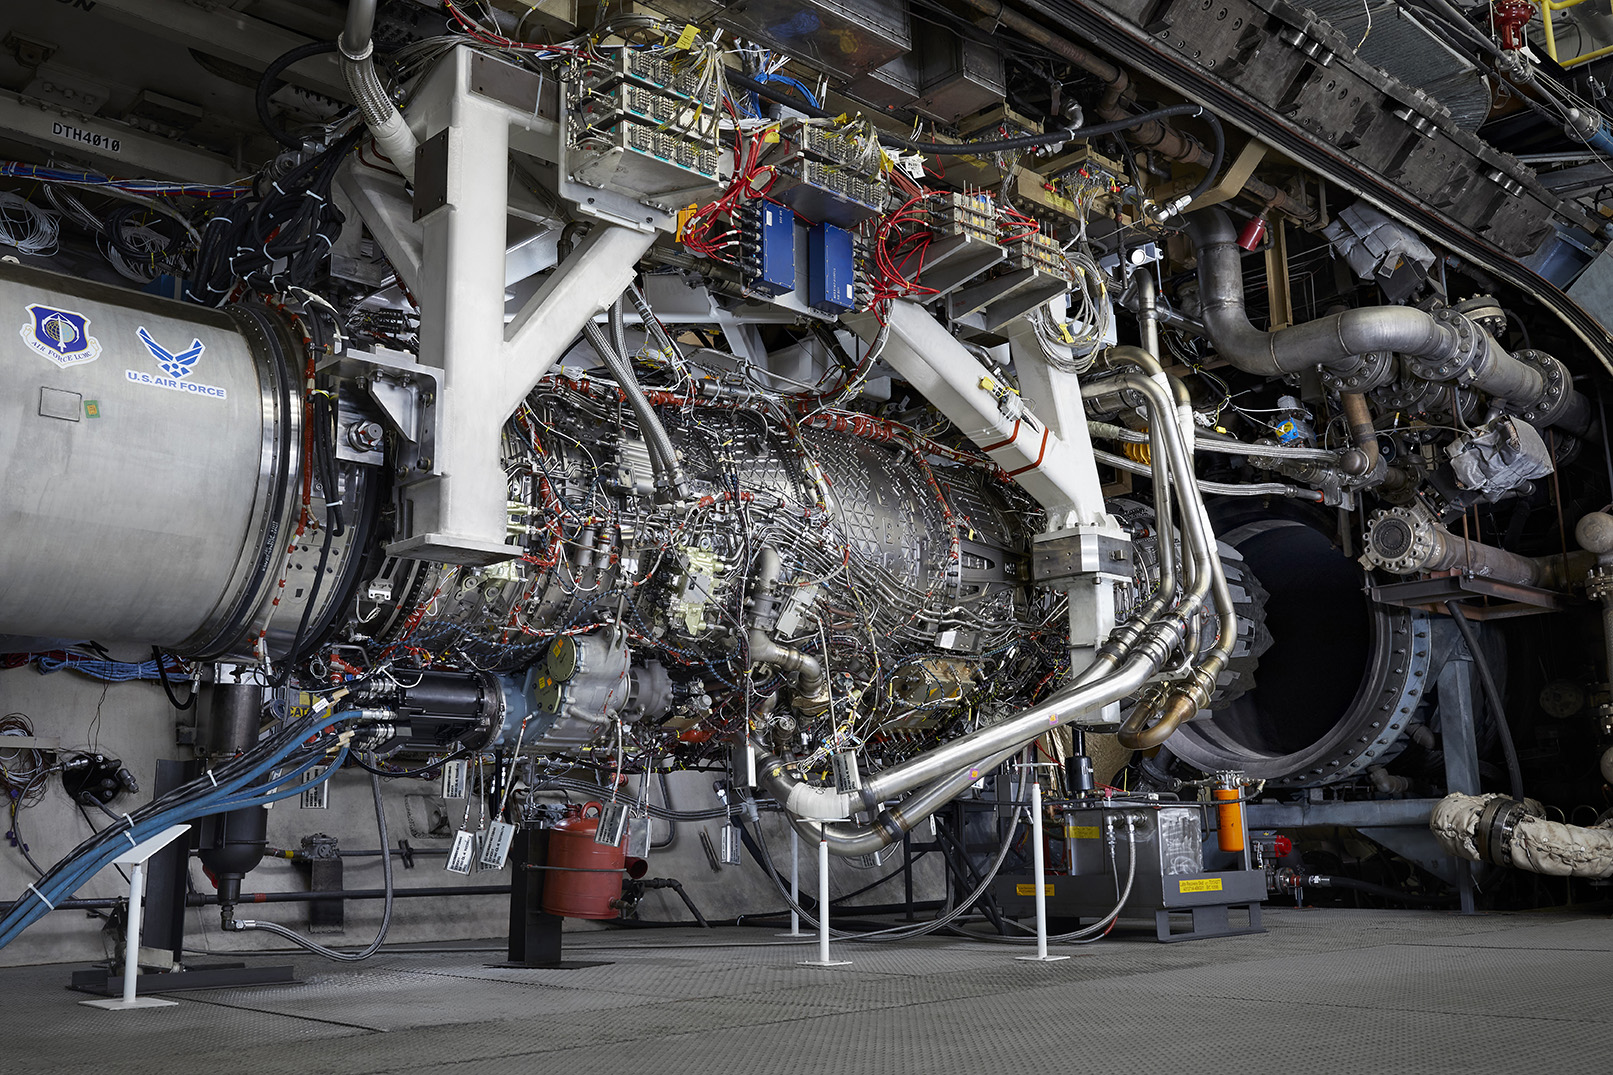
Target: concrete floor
<point>1324,990</point>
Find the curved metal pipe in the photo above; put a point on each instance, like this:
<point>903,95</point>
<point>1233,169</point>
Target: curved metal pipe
<point>1445,346</point>
<point>897,820</point>
<point>392,135</point>
<point>663,457</point>
<point>811,689</point>
<point>1362,432</point>
<point>1184,700</point>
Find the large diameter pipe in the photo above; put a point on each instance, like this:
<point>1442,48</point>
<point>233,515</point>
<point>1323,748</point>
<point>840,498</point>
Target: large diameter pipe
<point>1504,831</point>
<point>151,451</point>
<point>1444,347</point>
<point>1405,543</point>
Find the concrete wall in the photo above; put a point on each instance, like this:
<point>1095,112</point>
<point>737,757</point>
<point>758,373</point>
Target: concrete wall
<point>134,721</point>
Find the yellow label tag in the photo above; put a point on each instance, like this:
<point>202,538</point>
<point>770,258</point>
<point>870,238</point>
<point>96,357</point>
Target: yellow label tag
<point>1081,832</point>
<point>685,39</point>
<point>1200,884</point>
<point>683,220</point>
<point>770,135</point>
<point>1030,890</point>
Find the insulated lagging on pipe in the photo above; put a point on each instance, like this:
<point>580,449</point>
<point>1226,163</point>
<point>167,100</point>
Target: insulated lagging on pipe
<point>1501,830</point>
<point>1445,346</point>
<point>392,135</point>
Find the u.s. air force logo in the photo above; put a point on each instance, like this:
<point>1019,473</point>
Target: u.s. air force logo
<point>176,367</point>
<point>63,336</point>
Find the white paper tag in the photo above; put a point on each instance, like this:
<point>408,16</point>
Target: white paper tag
<point>462,854</point>
<point>496,845</point>
<point>453,778</point>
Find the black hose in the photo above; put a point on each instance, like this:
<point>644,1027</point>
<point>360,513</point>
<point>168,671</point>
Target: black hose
<point>422,771</point>
<point>1381,891</point>
<point>266,86</point>
<point>1493,695</point>
<point>167,687</point>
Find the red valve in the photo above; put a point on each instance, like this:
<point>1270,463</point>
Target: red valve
<point>1510,17</point>
<point>1281,847</point>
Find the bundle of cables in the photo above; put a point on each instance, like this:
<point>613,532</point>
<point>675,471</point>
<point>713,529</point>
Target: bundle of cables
<point>278,240</point>
<point>272,771</point>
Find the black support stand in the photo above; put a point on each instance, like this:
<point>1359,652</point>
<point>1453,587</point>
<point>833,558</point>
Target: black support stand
<point>165,923</point>
<point>535,934</point>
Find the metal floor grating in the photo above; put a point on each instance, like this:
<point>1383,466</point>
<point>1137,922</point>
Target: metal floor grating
<point>1421,992</point>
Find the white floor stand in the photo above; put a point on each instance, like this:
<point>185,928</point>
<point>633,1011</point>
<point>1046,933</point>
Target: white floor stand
<point>135,858</point>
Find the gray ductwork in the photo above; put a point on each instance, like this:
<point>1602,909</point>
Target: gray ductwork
<point>1444,346</point>
<point>392,135</point>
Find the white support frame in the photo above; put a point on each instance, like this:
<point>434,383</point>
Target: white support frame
<point>454,261</point>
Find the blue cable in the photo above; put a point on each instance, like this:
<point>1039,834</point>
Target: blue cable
<point>235,792</point>
<point>795,84</point>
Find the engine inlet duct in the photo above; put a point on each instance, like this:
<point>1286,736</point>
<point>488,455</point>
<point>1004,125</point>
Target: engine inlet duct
<point>153,453</point>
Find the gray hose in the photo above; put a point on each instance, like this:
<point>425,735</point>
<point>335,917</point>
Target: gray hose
<point>663,457</point>
<point>1298,492</point>
<point>386,912</point>
<point>392,135</point>
<point>1085,935</point>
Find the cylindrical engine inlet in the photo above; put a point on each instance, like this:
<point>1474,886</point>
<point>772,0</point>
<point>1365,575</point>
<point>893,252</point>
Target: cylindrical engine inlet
<point>151,454</point>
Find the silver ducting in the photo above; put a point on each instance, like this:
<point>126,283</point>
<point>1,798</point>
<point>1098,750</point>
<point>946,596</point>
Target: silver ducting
<point>1445,346</point>
<point>1407,541</point>
<point>392,135</point>
<point>152,453</point>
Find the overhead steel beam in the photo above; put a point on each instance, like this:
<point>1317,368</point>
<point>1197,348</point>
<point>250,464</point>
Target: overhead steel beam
<point>231,36</point>
<point>115,146</point>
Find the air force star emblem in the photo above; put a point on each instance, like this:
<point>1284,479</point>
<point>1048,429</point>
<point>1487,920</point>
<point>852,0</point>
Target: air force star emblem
<point>174,365</point>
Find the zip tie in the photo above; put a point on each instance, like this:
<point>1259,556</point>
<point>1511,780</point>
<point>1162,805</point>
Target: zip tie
<point>41,896</point>
<point>210,776</point>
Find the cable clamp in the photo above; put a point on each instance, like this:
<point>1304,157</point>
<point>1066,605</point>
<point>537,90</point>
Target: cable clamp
<point>41,896</point>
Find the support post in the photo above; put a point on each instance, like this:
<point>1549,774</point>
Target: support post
<point>1459,734</point>
<point>795,885</point>
<point>1039,868</point>
<point>823,959</point>
<point>135,858</point>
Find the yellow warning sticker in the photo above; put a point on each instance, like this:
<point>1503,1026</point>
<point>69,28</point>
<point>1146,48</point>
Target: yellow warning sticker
<point>685,39</point>
<point>1030,890</point>
<point>1200,884</point>
<point>1081,832</point>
